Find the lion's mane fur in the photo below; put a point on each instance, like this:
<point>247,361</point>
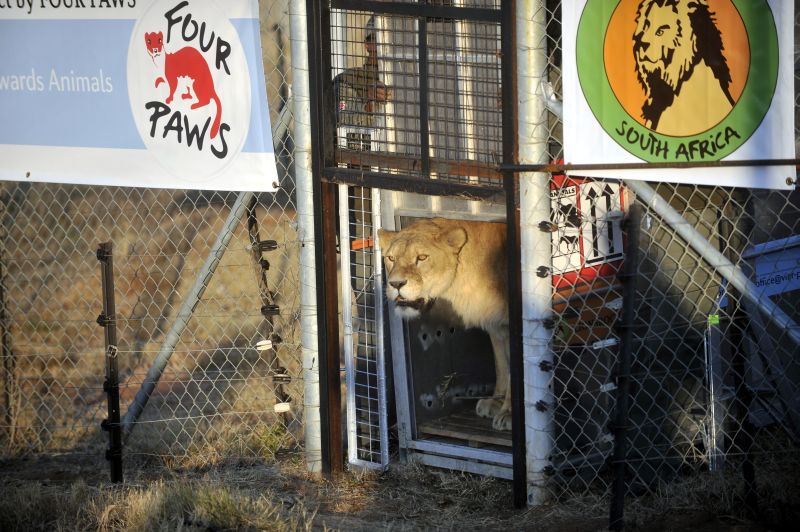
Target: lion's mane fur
<point>697,39</point>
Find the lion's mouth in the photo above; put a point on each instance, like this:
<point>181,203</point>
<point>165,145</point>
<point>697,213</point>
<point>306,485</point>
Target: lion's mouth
<point>416,304</point>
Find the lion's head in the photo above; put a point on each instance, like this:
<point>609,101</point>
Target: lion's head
<point>421,262</point>
<point>671,38</point>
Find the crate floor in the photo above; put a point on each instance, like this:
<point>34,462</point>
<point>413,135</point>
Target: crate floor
<point>465,425</point>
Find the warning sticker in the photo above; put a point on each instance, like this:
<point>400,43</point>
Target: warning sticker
<point>588,239</point>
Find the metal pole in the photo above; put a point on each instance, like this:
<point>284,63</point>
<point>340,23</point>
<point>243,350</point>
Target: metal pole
<point>105,254</point>
<point>377,276</point>
<point>619,463</point>
<point>305,229</point>
<point>508,73</point>
<point>730,229</point>
<point>537,284</point>
<point>238,211</point>
<point>724,267</point>
<point>9,364</point>
<point>347,322</point>
<point>321,106</point>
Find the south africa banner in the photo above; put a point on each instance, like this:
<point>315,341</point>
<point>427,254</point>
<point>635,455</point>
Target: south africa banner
<point>681,81</point>
<point>150,93</point>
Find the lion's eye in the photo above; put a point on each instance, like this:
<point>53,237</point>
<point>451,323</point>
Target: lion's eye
<point>389,258</point>
<point>661,29</point>
<point>420,258</point>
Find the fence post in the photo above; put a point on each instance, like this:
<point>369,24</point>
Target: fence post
<point>108,320</point>
<point>536,253</point>
<point>738,323</point>
<point>9,364</point>
<point>619,463</point>
<point>305,223</point>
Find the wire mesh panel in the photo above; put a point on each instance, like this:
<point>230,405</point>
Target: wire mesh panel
<point>217,383</point>
<point>362,293</point>
<point>232,385</point>
<point>428,88</point>
<point>713,369</point>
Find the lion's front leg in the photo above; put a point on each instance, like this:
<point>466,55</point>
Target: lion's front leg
<point>502,420</point>
<point>488,407</point>
<point>498,407</point>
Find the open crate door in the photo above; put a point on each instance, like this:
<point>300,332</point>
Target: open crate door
<point>362,316</point>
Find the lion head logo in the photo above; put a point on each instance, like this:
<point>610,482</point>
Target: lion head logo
<point>678,52</point>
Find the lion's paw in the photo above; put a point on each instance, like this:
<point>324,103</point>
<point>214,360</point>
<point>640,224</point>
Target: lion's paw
<point>502,420</point>
<point>488,407</point>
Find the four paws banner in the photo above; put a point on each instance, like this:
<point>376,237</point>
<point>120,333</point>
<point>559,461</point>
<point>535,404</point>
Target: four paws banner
<point>146,93</point>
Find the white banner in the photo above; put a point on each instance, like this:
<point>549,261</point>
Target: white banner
<point>145,93</point>
<point>687,81</point>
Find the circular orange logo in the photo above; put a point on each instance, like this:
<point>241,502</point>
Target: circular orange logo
<point>677,68</point>
<point>678,80</point>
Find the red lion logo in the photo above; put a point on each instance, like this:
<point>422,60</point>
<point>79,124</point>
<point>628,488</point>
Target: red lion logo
<point>187,62</point>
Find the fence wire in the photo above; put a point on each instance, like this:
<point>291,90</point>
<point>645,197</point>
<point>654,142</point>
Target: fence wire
<point>217,396</point>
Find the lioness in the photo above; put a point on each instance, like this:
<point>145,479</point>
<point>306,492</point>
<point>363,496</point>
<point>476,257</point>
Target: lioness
<point>464,263</point>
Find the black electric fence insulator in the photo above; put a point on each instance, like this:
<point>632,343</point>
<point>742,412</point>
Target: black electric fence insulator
<point>266,245</point>
<point>270,310</point>
<point>281,376</point>
<point>541,406</point>
<point>549,471</point>
<point>276,339</point>
<point>549,323</point>
<point>542,271</point>
<point>103,320</point>
<point>548,227</point>
<point>264,263</point>
<point>546,365</point>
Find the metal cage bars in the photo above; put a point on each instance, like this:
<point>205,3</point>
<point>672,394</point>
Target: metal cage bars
<point>327,172</point>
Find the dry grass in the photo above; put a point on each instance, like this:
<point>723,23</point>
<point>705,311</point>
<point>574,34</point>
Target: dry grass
<point>160,505</point>
<point>70,492</point>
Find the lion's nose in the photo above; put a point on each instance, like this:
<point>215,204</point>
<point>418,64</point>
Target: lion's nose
<point>398,284</point>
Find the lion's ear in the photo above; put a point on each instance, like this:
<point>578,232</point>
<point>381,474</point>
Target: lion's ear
<point>454,237</point>
<point>386,238</point>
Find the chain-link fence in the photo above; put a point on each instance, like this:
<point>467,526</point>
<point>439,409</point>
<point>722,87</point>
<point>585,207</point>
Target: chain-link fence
<point>232,385</point>
<point>713,371</point>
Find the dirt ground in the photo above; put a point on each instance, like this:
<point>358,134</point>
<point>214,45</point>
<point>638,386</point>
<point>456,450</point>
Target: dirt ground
<point>72,492</point>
